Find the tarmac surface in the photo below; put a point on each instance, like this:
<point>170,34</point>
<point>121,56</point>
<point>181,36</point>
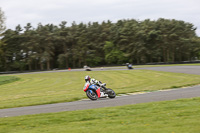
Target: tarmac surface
<point>136,98</point>
<point>177,69</point>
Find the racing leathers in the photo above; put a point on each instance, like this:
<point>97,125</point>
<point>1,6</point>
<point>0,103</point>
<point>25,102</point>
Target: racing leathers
<point>96,82</point>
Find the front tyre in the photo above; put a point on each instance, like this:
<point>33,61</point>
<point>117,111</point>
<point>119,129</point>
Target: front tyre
<point>91,95</point>
<point>111,93</point>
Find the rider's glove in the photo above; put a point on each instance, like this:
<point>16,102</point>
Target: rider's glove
<point>104,84</point>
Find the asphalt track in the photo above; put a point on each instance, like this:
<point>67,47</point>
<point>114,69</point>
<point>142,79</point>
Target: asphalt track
<point>136,98</point>
<point>177,69</point>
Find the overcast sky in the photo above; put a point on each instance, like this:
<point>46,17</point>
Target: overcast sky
<point>54,11</point>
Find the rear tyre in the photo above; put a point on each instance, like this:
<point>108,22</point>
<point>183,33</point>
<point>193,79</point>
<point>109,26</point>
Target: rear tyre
<point>111,93</point>
<point>91,95</point>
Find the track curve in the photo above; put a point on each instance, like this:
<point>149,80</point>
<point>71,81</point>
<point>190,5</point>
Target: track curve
<point>172,94</point>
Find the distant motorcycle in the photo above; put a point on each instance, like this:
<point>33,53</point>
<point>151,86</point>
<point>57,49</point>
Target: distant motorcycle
<point>94,92</point>
<point>87,68</point>
<point>129,66</point>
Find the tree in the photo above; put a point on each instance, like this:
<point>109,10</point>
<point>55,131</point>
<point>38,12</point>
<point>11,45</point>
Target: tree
<point>50,46</point>
<point>29,46</point>
<point>12,46</point>
<point>63,40</point>
<point>2,21</point>
<point>112,54</point>
<point>45,45</point>
<point>2,28</point>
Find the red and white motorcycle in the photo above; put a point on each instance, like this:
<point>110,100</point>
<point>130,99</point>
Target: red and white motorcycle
<point>94,92</point>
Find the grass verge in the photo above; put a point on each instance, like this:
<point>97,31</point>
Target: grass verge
<point>46,88</point>
<point>8,79</point>
<point>178,116</point>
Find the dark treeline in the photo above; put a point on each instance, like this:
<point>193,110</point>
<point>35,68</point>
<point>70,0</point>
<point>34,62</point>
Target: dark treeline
<point>59,46</point>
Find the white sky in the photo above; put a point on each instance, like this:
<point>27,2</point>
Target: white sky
<point>54,11</point>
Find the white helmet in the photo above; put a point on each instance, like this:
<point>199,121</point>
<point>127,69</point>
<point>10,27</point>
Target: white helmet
<point>87,78</point>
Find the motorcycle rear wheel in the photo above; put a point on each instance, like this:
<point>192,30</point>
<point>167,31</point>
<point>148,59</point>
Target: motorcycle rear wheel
<point>91,95</point>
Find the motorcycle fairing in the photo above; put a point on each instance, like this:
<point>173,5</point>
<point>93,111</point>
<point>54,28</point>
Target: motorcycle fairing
<point>98,92</point>
<point>86,86</point>
<point>96,88</point>
<point>92,87</point>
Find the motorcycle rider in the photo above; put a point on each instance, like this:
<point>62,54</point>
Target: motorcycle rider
<point>95,82</point>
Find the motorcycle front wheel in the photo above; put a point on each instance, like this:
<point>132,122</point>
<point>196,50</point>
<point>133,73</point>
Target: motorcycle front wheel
<point>111,93</point>
<point>91,95</point>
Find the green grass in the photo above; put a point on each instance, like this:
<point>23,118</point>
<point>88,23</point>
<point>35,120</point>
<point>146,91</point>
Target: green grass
<point>45,88</point>
<point>178,116</point>
<point>8,79</point>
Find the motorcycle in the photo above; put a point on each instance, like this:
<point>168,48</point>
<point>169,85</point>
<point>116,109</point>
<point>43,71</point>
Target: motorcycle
<point>87,68</point>
<point>94,92</point>
<point>129,66</point>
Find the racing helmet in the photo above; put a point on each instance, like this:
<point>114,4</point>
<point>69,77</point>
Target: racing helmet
<point>87,78</point>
